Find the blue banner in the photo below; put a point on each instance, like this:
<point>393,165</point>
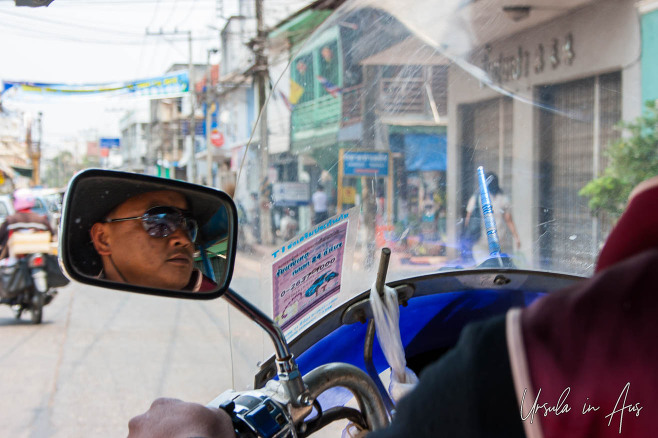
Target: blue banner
<point>169,85</point>
<point>365,163</point>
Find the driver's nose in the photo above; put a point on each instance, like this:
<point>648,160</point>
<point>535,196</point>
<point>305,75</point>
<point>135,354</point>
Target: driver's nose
<point>180,238</point>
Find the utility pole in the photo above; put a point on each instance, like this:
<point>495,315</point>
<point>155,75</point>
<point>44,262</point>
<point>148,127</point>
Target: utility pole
<point>191,165</point>
<point>260,68</point>
<point>209,99</point>
<point>34,150</point>
<point>191,162</point>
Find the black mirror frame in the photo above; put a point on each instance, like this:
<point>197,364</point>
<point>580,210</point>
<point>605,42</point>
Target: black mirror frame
<point>73,274</point>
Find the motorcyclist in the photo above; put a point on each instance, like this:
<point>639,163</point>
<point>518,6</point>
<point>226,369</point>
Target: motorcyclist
<point>289,225</point>
<point>553,369</point>
<point>148,240</point>
<point>23,219</point>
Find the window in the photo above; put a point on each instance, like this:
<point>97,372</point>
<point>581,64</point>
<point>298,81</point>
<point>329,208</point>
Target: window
<point>328,62</point>
<point>302,75</point>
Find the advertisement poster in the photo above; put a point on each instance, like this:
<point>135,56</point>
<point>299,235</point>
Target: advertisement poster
<point>307,273</point>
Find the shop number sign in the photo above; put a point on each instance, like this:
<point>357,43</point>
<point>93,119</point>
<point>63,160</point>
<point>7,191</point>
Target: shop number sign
<point>503,68</point>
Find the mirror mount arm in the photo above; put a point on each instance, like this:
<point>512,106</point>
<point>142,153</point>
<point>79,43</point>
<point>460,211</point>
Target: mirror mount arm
<point>287,369</point>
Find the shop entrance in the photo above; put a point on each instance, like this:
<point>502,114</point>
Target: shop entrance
<point>571,138</point>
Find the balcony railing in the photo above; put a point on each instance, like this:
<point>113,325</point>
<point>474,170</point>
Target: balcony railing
<point>317,113</point>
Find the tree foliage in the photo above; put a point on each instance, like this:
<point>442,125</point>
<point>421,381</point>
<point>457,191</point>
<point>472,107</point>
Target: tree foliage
<point>631,159</point>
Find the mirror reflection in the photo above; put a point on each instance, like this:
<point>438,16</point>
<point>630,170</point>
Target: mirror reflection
<point>149,232</point>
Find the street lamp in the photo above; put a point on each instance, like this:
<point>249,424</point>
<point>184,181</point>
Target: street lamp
<point>208,94</point>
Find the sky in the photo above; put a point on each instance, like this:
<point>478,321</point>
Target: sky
<point>98,41</point>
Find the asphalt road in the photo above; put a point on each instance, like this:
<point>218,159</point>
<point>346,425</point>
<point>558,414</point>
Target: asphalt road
<point>101,356</point>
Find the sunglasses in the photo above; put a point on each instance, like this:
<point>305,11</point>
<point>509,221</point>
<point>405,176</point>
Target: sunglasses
<point>163,221</point>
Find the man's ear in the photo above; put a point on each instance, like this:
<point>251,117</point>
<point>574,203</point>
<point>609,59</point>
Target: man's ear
<point>100,239</point>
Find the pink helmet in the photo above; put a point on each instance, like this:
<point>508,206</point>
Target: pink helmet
<point>23,203</point>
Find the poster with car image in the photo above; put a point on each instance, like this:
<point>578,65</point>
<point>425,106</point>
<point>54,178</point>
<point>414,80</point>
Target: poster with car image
<point>307,273</point>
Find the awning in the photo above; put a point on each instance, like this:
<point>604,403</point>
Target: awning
<point>410,51</point>
<point>425,152</point>
<point>23,171</point>
<point>300,26</point>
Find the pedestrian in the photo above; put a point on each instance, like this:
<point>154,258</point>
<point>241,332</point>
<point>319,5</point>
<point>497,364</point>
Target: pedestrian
<point>475,242</point>
<point>254,217</point>
<point>319,199</point>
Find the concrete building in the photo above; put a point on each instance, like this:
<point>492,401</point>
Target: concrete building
<point>14,162</point>
<point>554,59</point>
<point>134,127</point>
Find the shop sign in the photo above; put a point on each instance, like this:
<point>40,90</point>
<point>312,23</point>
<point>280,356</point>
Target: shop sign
<point>363,163</point>
<point>290,194</point>
<point>526,61</point>
<point>110,143</point>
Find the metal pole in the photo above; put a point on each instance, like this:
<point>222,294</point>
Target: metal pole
<point>209,180</point>
<point>262,76</point>
<point>191,164</point>
<point>37,153</point>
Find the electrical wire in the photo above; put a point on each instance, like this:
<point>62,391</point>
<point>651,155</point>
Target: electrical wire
<point>78,4</point>
<point>171,13</point>
<point>68,24</point>
<point>54,36</point>
<point>189,13</point>
<point>155,13</point>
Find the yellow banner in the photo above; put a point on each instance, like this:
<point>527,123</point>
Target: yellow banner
<point>296,92</point>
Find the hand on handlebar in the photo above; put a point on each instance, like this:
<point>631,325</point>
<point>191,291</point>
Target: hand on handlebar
<point>172,418</point>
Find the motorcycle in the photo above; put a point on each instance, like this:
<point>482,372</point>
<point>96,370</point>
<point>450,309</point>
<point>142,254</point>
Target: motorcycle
<point>29,280</point>
<point>401,105</point>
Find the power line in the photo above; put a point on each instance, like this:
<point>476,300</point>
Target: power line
<point>88,3</point>
<point>68,24</point>
<point>189,13</point>
<point>155,13</point>
<point>54,36</point>
<point>171,13</point>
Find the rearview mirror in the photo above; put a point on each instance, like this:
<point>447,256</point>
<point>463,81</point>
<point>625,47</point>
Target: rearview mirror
<point>148,234</point>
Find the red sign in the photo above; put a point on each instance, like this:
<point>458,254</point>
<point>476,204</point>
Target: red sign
<point>217,138</point>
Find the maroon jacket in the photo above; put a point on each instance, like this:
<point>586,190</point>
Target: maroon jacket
<point>200,283</point>
<point>594,345</point>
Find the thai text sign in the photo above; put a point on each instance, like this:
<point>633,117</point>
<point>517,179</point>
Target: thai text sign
<point>309,275</point>
<point>290,194</point>
<point>365,163</point>
<point>110,143</point>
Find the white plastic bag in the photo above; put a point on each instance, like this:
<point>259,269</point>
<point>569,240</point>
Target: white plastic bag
<point>387,322</point>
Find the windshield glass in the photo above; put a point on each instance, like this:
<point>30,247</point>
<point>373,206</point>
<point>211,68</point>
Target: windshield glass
<point>343,127</point>
<point>384,113</point>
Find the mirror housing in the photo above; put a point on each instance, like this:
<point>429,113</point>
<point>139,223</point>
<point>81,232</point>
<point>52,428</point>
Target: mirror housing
<point>93,194</point>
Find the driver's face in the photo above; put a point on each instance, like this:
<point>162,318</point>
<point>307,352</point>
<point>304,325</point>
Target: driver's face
<point>137,258</point>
